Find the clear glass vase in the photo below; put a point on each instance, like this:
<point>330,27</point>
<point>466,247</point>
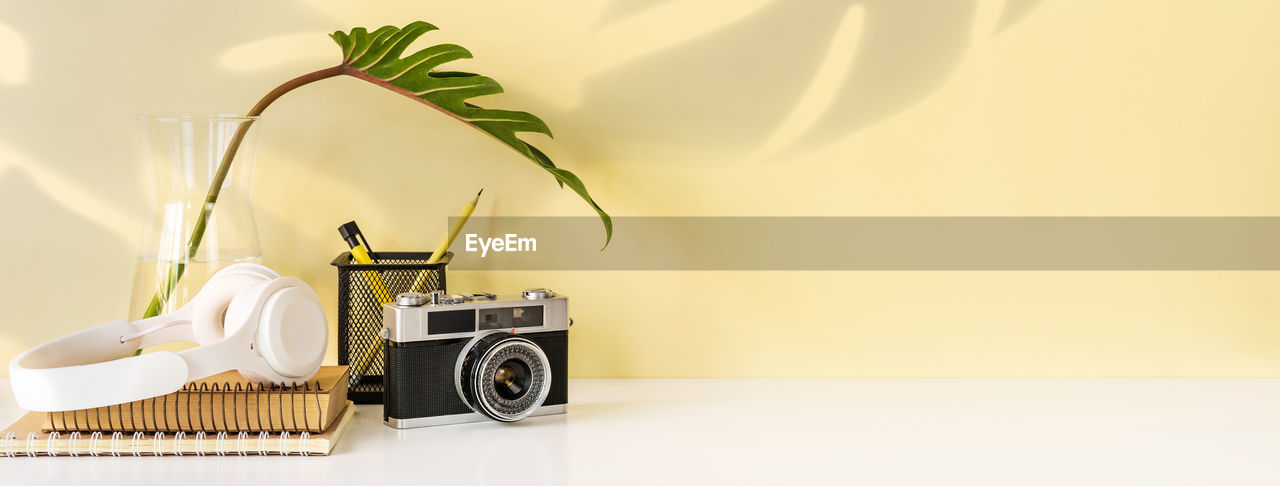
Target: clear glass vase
<point>185,152</point>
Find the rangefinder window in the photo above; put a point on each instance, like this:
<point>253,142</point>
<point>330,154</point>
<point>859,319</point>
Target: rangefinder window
<point>528,316</point>
<point>509,317</point>
<point>449,322</point>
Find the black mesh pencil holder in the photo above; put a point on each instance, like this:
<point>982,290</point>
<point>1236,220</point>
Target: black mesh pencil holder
<point>362,289</point>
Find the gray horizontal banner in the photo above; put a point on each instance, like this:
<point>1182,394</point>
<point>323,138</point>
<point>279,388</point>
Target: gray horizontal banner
<point>871,243</point>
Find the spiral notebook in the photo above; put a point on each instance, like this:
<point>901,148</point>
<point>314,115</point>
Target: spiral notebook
<point>225,402</point>
<point>24,439</point>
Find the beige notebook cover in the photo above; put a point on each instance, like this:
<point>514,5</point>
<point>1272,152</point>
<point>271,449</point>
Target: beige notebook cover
<point>225,402</point>
<point>25,438</point>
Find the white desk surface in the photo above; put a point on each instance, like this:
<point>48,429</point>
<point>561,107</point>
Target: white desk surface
<point>929,432</point>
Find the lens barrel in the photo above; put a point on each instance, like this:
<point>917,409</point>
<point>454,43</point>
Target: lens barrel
<point>503,376</point>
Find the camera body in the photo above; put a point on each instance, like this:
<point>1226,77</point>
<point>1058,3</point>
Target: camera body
<point>470,357</point>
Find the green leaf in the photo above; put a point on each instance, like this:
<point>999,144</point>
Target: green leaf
<point>376,57</point>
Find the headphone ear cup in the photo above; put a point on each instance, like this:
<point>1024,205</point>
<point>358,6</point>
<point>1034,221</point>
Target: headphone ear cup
<point>293,332</point>
<point>290,332</point>
<point>238,316</point>
<point>210,306</point>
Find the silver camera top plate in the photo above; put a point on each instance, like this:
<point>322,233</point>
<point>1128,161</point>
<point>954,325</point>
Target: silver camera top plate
<point>421,317</point>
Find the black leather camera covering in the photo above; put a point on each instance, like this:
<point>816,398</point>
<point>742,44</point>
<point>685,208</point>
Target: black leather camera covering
<point>420,382</point>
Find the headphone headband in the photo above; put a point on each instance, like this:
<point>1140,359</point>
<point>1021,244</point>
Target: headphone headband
<point>83,370</point>
<point>95,367</point>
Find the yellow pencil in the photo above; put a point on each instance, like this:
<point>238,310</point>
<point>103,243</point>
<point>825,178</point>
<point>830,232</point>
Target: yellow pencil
<point>363,364</point>
<point>360,250</point>
<point>443,247</point>
<point>361,256</point>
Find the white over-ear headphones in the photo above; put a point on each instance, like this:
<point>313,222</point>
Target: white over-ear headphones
<point>247,318</point>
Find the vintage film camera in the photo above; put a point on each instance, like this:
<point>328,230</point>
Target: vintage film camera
<point>464,358</point>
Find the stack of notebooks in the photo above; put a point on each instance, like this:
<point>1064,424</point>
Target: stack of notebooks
<point>224,414</point>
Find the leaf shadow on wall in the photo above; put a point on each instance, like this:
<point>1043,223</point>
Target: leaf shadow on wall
<point>724,94</point>
<point>74,183</point>
<point>155,65</point>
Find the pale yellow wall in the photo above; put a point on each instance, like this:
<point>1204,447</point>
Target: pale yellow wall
<point>947,108</point>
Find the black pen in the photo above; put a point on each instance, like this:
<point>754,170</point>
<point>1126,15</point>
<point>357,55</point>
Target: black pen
<point>360,250</point>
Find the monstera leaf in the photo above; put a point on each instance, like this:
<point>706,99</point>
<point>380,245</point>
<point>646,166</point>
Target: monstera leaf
<point>376,57</point>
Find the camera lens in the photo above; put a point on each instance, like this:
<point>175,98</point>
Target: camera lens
<point>503,376</point>
<point>512,379</point>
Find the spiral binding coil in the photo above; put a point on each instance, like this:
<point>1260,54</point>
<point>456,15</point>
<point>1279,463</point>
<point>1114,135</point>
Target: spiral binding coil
<point>178,424</point>
<point>118,445</point>
<point>225,417</point>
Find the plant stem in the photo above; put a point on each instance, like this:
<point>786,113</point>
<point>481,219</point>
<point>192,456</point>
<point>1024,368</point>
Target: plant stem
<point>215,188</point>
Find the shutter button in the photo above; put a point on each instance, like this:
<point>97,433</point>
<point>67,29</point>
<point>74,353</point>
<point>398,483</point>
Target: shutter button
<point>538,294</point>
<point>411,299</point>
